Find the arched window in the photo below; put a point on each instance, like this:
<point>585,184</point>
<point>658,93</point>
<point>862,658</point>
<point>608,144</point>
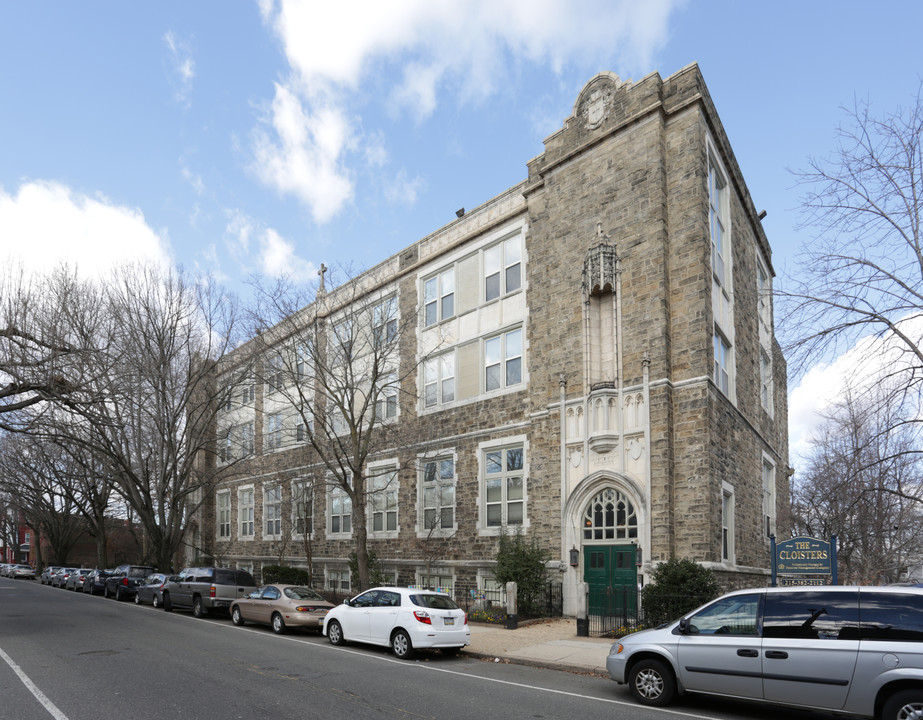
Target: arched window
<point>610,516</point>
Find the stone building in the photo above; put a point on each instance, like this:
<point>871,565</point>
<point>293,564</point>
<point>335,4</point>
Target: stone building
<point>588,358</point>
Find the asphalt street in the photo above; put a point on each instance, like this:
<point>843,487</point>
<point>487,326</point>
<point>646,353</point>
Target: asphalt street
<point>66,655</point>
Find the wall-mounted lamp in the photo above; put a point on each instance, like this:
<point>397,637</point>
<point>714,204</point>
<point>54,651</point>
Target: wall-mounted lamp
<point>638,556</point>
<point>459,212</point>
<point>761,215</point>
<point>574,556</point>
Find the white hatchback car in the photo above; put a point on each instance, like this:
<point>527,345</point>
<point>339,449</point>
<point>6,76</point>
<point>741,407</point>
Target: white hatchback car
<point>403,619</point>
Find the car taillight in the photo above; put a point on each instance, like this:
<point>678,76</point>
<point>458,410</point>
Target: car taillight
<point>466,618</point>
<point>211,591</point>
<point>423,617</point>
<point>309,608</point>
<point>125,581</point>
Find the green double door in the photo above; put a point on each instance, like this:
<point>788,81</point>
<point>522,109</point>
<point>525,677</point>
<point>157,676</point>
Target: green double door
<point>612,575</point>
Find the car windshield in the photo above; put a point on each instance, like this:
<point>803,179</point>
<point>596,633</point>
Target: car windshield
<point>301,593</point>
<point>139,572</point>
<point>434,601</point>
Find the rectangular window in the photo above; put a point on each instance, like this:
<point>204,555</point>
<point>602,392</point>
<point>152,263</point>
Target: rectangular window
<point>504,487</point>
<point>442,582</point>
<point>439,297</point>
<point>224,514</point>
<point>341,512</point>
<point>722,363</point>
<point>341,343</point>
<point>502,269</point>
<point>303,362</point>
<point>769,498</point>
<point>229,392</point>
<point>383,501</point>
<point>439,380</point>
<point>718,221</point>
<point>386,405</point>
<point>248,393</point>
<point>765,379</point>
<point>503,360</point>
<point>303,507</point>
<point>272,509</point>
<point>438,495</point>
<point>275,372</point>
<point>299,432</point>
<point>727,523</point>
<point>338,580</point>
<point>245,511</point>
<point>246,438</point>
<point>764,294</point>
<point>274,431</point>
<point>225,446</point>
<point>384,322</point>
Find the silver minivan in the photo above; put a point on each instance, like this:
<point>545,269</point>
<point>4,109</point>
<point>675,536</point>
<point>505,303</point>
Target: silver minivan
<point>850,650</point>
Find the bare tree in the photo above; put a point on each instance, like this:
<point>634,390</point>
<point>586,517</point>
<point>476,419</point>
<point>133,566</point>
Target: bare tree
<point>332,366</point>
<point>863,483</point>
<point>863,275</point>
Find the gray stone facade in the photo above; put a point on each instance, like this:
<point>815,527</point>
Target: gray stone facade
<point>629,433</point>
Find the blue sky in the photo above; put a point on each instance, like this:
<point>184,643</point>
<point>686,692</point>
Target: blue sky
<point>246,138</point>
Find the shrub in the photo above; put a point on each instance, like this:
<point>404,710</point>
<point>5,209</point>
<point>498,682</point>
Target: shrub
<point>286,575</point>
<point>678,586</point>
<point>523,563</point>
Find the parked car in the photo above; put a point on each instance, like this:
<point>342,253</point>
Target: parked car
<point>203,589</point>
<point>60,577</point>
<point>22,572</point>
<point>281,607</point>
<point>402,619</point>
<point>123,583</point>
<point>150,592</point>
<point>75,580</point>
<point>849,650</point>
<point>3,569</point>
<point>95,581</point>
<point>48,573</point>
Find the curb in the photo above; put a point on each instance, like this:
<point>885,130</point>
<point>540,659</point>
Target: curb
<point>527,662</point>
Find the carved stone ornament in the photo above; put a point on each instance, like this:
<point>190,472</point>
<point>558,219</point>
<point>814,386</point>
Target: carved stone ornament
<point>595,108</point>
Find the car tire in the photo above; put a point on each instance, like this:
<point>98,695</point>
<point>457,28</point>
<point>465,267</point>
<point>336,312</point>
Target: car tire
<point>118,594</point>
<point>401,645</point>
<point>903,705</point>
<point>167,603</point>
<point>236,616</point>
<point>198,607</point>
<point>335,633</point>
<point>278,624</point>
<point>155,602</point>
<point>652,683</point>
<point>106,591</point>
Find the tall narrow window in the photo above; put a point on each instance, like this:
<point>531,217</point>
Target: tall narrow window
<point>439,297</point>
<point>383,501</point>
<point>727,523</point>
<point>274,431</point>
<point>386,405</point>
<point>302,507</point>
<point>718,221</point>
<point>341,512</point>
<point>224,514</point>
<point>439,379</point>
<point>384,321</point>
<point>504,487</point>
<point>503,360</point>
<point>245,511</point>
<point>502,268</point>
<point>765,379</point>
<point>769,498</point>
<point>438,494</point>
<point>272,509</point>
<point>722,363</point>
<point>246,438</point>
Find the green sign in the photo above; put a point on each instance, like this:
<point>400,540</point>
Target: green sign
<point>804,555</point>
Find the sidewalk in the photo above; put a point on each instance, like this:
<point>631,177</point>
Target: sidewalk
<point>544,643</point>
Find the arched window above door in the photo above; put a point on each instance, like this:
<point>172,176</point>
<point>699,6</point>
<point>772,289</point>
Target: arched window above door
<point>610,516</point>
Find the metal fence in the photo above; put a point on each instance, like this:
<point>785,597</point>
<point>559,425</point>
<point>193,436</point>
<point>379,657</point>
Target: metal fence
<point>615,612</point>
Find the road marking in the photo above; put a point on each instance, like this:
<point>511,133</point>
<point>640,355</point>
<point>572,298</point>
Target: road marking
<point>33,688</point>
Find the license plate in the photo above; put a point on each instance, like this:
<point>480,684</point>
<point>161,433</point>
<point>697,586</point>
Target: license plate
<point>449,621</point>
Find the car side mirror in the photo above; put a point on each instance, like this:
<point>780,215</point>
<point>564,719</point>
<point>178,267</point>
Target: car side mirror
<point>683,626</point>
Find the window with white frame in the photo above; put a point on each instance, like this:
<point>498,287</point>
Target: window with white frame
<point>503,360</point>
<point>384,322</point>
<point>763,294</point>
<point>272,510</point>
<point>303,365</point>
<point>493,590</point>
<point>718,222</point>
<point>504,487</point>
<point>765,379</point>
<point>247,394</point>
<point>337,422</point>
<point>275,372</point>
<point>223,503</point>
<point>274,431</point>
<point>502,268</point>
<point>439,581</point>
<point>383,489</point>
<point>340,512</point>
<point>439,297</point>
<point>337,580</point>
<point>228,398</point>
<point>722,363</point>
<point>341,343</point>
<point>225,446</point>
<point>303,507</point>
<point>438,495</point>
<point>245,512</point>
<point>439,379</point>
<point>386,405</point>
<point>769,497</point>
<point>727,523</point>
<point>246,438</point>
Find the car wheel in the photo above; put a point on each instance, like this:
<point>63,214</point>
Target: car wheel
<point>155,602</point>
<point>118,594</point>
<point>401,645</point>
<point>106,591</point>
<point>137,599</point>
<point>236,617</point>
<point>335,633</point>
<point>198,608</point>
<point>652,683</point>
<point>278,624</point>
<point>167,605</point>
<point>903,705</point>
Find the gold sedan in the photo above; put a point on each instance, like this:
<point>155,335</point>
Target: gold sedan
<point>281,607</point>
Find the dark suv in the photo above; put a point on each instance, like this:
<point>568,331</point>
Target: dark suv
<point>203,589</point>
<point>123,583</point>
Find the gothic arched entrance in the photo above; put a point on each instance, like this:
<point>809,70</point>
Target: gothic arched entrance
<point>610,537</point>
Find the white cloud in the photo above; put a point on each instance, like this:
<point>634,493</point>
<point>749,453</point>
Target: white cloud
<point>183,67</point>
<point>46,223</point>
<point>402,190</point>
<point>468,50</point>
<point>278,258</point>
